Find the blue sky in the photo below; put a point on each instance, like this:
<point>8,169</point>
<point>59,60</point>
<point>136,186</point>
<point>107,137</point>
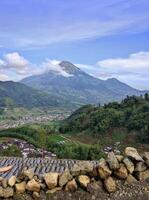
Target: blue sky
<point>107,38</point>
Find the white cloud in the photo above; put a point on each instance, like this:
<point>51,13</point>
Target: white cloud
<point>13,66</point>
<point>53,66</point>
<point>133,70</point>
<point>137,63</point>
<point>3,77</point>
<point>14,61</point>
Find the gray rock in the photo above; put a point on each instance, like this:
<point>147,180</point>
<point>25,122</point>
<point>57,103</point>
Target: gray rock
<point>36,195</point>
<point>140,167</point>
<point>4,183</point>
<point>33,186</point>
<point>133,154</point>
<point>83,181</point>
<point>94,187</point>
<point>110,185</point>
<point>64,178</point>
<point>112,161</point>
<point>20,187</point>
<point>6,192</point>
<point>71,186</point>
<point>103,169</point>
<point>141,176</point>
<point>146,158</point>
<point>119,158</point>
<point>129,165</point>
<point>12,181</point>
<point>122,172</point>
<point>131,179</point>
<point>81,168</point>
<point>51,179</point>
<point>29,173</point>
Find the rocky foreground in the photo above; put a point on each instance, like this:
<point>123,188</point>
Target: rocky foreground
<point>116,177</point>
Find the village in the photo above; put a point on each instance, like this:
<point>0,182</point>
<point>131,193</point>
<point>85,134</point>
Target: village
<point>26,149</point>
<point>29,119</point>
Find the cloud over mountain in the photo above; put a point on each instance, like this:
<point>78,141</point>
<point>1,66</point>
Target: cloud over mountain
<point>133,70</point>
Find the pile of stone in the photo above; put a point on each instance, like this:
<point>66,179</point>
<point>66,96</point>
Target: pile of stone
<point>130,167</point>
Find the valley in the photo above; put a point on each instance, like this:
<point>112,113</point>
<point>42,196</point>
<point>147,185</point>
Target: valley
<point>88,133</point>
<point>16,117</point>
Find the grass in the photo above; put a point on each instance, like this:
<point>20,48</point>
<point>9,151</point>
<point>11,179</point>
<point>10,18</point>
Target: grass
<point>119,136</point>
<point>56,138</point>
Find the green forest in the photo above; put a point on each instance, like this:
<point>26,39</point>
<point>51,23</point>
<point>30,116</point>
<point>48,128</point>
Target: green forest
<point>132,113</point>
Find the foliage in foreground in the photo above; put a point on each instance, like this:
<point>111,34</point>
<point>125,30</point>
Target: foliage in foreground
<point>11,151</point>
<point>41,138</point>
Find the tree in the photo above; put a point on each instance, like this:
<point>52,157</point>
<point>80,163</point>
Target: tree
<point>42,139</point>
<point>146,96</point>
<point>11,151</point>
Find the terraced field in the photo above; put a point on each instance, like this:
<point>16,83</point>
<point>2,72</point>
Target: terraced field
<point>40,165</point>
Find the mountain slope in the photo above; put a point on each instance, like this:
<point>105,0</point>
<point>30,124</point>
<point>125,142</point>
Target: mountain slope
<point>132,113</point>
<point>78,87</point>
<point>20,95</point>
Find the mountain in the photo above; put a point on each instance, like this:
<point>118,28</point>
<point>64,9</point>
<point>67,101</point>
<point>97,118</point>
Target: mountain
<point>20,95</point>
<point>74,85</point>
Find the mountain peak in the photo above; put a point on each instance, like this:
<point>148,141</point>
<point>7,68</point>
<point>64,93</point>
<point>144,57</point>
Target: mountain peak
<point>69,67</point>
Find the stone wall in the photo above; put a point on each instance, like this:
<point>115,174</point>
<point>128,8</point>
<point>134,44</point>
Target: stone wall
<point>130,168</point>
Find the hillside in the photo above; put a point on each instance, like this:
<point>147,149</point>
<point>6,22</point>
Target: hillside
<point>78,87</point>
<point>132,113</point>
<point>88,132</point>
<point>14,94</point>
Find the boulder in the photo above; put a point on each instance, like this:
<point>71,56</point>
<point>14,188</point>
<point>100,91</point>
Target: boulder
<point>51,179</point>
<point>103,169</point>
<point>71,186</point>
<point>112,161</point>
<point>131,179</point>
<point>36,195</point>
<point>29,173</point>
<point>43,186</point>
<point>20,187</point>
<point>1,192</point>
<point>110,184</point>
<point>146,158</point>
<point>140,167</point>
<point>64,178</point>
<point>141,176</point>
<point>1,178</point>
<point>128,164</point>
<point>33,186</point>
<point>83,181</point>
<point>94,187</point>
<point>12,181</point>
<point>119,158</point>
<point>121,172</point>
<point>52,191</point>
<point>94,173</point>
<point>6,192</point>
<point>81,168</point>
<point>4,183</point>
<point>133,154</point>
